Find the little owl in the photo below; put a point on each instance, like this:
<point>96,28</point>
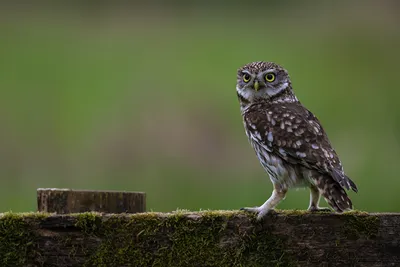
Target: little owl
<point>288,139</point>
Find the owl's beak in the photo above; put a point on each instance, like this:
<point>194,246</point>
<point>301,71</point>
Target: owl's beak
<point>256,85</point>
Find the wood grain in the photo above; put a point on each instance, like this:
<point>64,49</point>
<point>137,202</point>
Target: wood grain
<point>65,201</point>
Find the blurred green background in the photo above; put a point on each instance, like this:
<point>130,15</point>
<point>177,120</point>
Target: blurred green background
<point>141,97</point>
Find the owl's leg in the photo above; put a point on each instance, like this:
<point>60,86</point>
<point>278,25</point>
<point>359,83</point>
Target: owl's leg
<point>314,200</point>
<point>277,196</point>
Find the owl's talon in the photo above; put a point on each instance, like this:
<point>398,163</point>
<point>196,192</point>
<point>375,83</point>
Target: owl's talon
<point>261,213</point>
<point>250,209</point>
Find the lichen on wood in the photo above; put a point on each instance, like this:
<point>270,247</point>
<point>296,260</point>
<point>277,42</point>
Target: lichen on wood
<point>207,238</point>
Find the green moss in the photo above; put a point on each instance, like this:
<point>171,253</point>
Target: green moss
<point>182,238</point>
<point>17,240</point>
<point>263,248</point>
<point>361,224</point>
<point>88,222</point>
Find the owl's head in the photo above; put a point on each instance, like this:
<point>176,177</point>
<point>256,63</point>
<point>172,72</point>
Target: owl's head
<point>264,80</point>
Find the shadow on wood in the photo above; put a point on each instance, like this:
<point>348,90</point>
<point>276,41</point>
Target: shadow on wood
<point>209,238</point>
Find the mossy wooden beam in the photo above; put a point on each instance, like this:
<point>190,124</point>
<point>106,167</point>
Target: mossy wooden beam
<point>64,201</point>
<point>208,238</point>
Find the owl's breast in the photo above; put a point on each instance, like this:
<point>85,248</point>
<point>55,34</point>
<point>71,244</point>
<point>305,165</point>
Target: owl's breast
<point>280,172</point>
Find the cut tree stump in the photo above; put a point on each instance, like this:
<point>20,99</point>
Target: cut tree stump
<point>65,201</point>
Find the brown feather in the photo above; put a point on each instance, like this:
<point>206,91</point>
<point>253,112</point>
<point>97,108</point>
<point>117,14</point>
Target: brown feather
<point>298,137</point>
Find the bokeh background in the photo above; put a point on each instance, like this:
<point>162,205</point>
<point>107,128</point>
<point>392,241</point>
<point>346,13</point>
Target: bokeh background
<point>141,97</point>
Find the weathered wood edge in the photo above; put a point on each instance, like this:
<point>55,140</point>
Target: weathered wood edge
<point>228,213</point>
<point>198,214</point>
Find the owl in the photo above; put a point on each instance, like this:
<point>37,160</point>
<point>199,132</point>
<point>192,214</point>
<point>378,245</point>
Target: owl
<point>288,140</point>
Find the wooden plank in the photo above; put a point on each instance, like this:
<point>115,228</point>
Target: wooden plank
<point>209,238</point>
<point>64,201</point>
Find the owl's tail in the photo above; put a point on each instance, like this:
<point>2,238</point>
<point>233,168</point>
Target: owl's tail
<point>333,193</point>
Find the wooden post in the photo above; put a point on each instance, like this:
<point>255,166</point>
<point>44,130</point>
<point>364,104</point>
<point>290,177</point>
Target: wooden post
<point>207,238</point>
<point>73,201</point>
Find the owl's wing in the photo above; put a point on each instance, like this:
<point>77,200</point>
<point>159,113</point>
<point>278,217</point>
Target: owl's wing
<point>292,132</point>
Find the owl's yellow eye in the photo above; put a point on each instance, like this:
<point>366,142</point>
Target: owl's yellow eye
<point>246,77</point>
<point>270,77</point>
